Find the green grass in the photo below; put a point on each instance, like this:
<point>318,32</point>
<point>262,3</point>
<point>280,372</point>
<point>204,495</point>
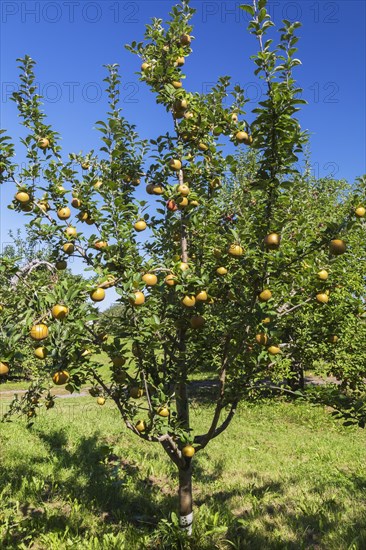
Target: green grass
<point>283,476</point>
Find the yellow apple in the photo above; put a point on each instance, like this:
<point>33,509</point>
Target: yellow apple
<point>140,225</point>
<point>235,250</point>
<point>138,300</point>
<point>150,279</point>
<point>272,241</point>
<point>184,190</point>
<point>68,248</point>
<point>189,301</point>
<point>97,295</point>
<point>265,295</point>
<point>337,247</point>
<point>59,311</point>
<point>39,332</point>
<point>322,298</point>
<point>175,164</point>
<point>274,350</point>
<point>323,275</point>
<point>64,213</point>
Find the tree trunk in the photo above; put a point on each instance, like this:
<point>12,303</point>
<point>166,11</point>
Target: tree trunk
<point>185,498</point>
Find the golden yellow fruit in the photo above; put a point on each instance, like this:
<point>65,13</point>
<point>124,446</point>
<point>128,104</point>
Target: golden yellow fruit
<point>189,301</point>
<point>60,377</point>
<point>4,368</point>
<point>272,241</point>
<point>157,189</point>
<point>44,206</point>
<point>177,84</point>
<point>140,426</point>
<point>241,136</point>
<point>100,401</point>
<point>140,225</point>
<point>182,202</point>
<point>323,275</point>
<point>180,61</point>
<point>188,451</point>
<point>185,39</point>
<point>337,247</point>
<point>234,117</point>
<point>322,298</point>
<point>163,411</point>
<point>97,295</point>
<point>71,231</point>
<point>261,339</point>
<point>64,213</point>
<point>150,279</point>
<point>183,266</point>
<point>193,203</point>
<point>76,203</point>
<point>184,190</point>
<point>235,250</point>
<point>274,350</point>
<point>333,338</point>
<point>180,104</point>
<point>41,353</point>
<point>197,321</point>
<point>100,245</point>
<point>43,143</point>
<point>265,295</point>
<point>39,332</point>
<point>83,216</point>
<point>175,164</point>
<point>171,280</point>
<point>145,66</point>
<point>360,211</point>
<point>202,296</point>
<point>266,320</point>
<point>68,248</point>
<point>98,184</point>
<point>138,300</point>
<point>221,270</point>
<point>202,146</point>
<point>22,197</point>
<point>59,311</point>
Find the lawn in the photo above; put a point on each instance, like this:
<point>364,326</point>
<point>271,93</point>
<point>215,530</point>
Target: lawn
<point>283,476</point>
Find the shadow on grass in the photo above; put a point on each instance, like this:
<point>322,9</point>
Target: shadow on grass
<point>273,521</point>
<point>118,492</point>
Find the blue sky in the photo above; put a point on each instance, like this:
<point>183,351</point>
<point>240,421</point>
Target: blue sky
<point>72,40</point>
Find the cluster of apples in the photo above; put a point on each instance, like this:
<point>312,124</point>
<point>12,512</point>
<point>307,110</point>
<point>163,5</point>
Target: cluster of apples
<point>183,43</point>
<point>40,332</point>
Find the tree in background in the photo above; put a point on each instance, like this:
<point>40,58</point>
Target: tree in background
<point>325,339</point>
<point>201,291</point>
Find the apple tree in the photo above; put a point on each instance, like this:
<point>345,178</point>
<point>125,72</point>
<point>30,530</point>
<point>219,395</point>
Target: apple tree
<point>326,339</point>
<point>201,291</point>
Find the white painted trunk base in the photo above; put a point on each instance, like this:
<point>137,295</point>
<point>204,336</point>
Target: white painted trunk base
<point>186,523</point>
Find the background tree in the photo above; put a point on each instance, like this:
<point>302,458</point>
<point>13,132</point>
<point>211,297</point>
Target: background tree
<point>196,293</point>
<point>327,340</point>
